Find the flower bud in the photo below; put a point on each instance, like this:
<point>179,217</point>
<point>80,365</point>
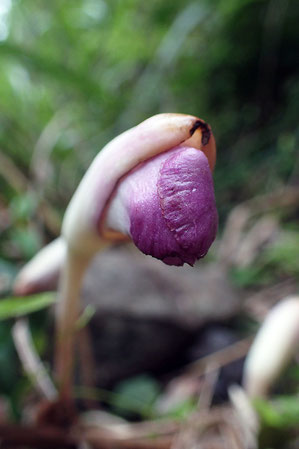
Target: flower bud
<point>83,228</point>
<point>153,184</point>
<point>167,206</point>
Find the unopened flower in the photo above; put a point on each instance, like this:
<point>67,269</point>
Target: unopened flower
<point>165,203</point>
<point>183,186</point>
<point>167,206</point>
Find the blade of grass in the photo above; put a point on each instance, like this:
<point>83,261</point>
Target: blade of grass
<point>18,306</point>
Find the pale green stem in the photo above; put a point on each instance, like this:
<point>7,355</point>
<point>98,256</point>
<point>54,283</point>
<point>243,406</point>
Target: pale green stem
<point>67,315</point>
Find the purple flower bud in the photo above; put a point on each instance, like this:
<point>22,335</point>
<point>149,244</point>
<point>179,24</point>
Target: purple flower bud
<point>167,206</point>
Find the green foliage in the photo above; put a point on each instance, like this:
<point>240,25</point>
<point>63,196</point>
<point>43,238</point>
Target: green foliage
<point>16,307</point>
<point>281,412</point>
<point>85,317</point>
<point>184,409</point>
<point>7,274</point>
<point>136,395</point>
<point>283,254</point>
<point>278,260</point>
<point>8,362</point>
<point>26,240</point>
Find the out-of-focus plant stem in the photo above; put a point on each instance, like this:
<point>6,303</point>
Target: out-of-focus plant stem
<point>67,315</point>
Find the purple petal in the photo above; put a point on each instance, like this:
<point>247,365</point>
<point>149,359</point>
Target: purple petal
<point>171,206</point>
<point>187,200</point>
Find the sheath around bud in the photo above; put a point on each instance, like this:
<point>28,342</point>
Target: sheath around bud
<point>167,206</point>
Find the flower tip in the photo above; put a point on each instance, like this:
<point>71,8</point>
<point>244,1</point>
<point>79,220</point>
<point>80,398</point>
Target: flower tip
<point>203,139</point>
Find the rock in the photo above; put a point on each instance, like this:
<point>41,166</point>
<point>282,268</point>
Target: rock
<point>126,346</point>
<point>123,281</point>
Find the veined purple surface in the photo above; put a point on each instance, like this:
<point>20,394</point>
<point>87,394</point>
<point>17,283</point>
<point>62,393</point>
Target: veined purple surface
<point>167,206</point>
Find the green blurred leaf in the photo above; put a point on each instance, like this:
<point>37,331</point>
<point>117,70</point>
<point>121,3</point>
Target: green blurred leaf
<point>9,365</point>
<point>251,275</point>
<point>26,240</point>
<point>137,394</point>
<point>293,374</point>
<point>7,274</point>
<point>280,258</point>
<point>281,412</point>
<point>85,317</point>
<point>184,409</point>
<point>23,206</point>
<point>14,307</point>
<point>284,253</point>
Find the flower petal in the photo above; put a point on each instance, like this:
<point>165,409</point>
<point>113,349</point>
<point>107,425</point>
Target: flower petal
<point>167,206</point>
<point>187,200</point>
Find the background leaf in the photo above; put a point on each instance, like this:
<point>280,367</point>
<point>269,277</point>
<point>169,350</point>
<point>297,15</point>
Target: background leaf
<point>14,307</point>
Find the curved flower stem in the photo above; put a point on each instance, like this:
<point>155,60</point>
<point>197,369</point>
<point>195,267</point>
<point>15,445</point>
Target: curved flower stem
<point>67,315</point>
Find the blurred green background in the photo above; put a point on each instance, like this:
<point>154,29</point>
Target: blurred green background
<point>76,73</point>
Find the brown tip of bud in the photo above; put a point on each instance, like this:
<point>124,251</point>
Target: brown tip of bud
<point>203,139</point>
